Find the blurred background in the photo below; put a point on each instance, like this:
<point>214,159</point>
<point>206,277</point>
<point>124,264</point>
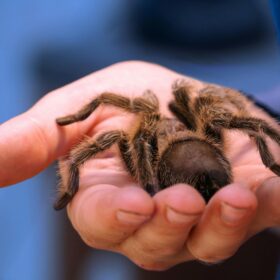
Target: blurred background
<point>46,44</point>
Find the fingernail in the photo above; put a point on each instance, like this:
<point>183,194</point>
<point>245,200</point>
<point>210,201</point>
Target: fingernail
<point>174,216</point>
<point>232,215</point>
<point>132,218</point>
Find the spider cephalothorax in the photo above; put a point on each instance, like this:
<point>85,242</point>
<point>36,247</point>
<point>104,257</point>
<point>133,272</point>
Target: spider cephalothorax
<point>161,151</point>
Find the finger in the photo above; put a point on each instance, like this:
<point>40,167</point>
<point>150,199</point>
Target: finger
<point>105,215</point>
<point>28,144</point>
<point>32,140</point>
<point>224,225</point>
<point>268,214</point>
<point>159,243</point>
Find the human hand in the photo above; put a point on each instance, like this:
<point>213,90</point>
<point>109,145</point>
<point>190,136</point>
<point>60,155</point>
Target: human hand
<point>110,211</point>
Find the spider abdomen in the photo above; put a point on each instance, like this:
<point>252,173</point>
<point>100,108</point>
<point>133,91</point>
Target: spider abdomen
<point>194,162</point>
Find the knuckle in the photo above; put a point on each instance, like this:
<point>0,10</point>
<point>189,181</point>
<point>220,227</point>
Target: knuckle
<point>132,63</point>
<point>209,258</point>
<point>275,218</point>
<point>91,242</point>
<point>161,250</point>
<point>97,243</point>
<point>212,260</point>
<point>275,215</point>
<point>150,257</point>
<point>167,251</point>
<point>152,265</point>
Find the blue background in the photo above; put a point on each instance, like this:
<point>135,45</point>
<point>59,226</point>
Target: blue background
<point>45,44</point>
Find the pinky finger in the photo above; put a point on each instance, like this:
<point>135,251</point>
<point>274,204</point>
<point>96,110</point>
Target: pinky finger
<point>268,213</point>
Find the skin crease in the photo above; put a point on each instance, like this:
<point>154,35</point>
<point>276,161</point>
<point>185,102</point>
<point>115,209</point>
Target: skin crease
<point>110,211</point>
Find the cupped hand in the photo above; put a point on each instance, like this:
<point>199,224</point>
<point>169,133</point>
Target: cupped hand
<point>110,211</point>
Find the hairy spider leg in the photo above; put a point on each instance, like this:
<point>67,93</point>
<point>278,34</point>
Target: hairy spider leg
<point>145,140</point>
<point>265,154</point>
<point>85,151</point>
<point>139,104</point>
<point>104,98</point>
<point>146,148</point>
<point>217,117</point>
<point>204,108</point>
<point>148,103</point>
<point>212,101</point>
<point>254,126</point>
<point>180,107</point>
<point>65,197</point>
<point>226,95</point>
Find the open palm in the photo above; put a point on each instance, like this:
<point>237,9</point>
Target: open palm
<point>110,211</point>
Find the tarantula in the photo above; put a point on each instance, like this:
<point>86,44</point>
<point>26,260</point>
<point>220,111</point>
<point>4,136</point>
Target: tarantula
<point>162,151</point>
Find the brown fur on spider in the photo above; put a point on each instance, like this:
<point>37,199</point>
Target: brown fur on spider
<point>161,151</point>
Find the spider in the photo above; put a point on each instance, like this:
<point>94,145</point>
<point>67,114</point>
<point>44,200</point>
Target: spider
<point>162,151</point>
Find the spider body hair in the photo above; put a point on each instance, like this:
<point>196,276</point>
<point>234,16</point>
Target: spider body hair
<point>159,152</point>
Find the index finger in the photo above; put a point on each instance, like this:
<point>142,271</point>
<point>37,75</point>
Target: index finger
<point>32,140</point>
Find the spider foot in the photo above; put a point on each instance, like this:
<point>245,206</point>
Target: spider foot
<point>62,201</point>
<point>66,120</point>
<point>276,169</point>
<point>150,189</point>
